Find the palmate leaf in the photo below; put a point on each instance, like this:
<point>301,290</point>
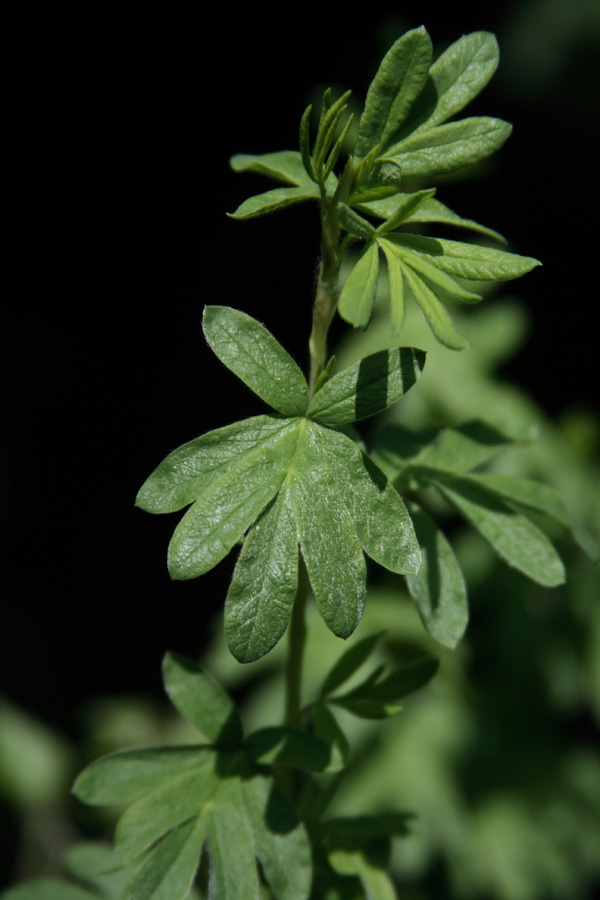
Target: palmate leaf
<point>284,483</point>
<point>184,798</point>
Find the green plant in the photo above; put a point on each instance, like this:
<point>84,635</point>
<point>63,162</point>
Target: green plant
<point>299,490</point>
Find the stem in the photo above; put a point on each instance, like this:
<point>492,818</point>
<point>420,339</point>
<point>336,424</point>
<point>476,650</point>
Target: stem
<point>296,642</point>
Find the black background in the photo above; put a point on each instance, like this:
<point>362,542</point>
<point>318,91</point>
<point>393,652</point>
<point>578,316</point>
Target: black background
<point>121,129</point>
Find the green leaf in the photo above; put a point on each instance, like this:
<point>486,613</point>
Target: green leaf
<point>513,536</point>
<point>274,200</point>
<point>357,296</point>
<point>218,519</point>
<point>381,520</point>
<point>467,260</point>
<point>202,701</point>
<point>525,494</point>
<point>449,147</point>
<point>456,77</point>
<point>48,889</point>
<point>348,663</point>
<point>328,541</point>
<point>354,832</point>
<point>376,882</point>
<point>168,872</point>
<point>281,842</point>
<point>368,386</point>
<point>433,210</point>
<point>460,448</point>
<point>437,318</point>
<point>86,862</point>
<point>376,699</point>
<point>263,587</point>
<point>232,873</point>
<point>254,355</point>
<point>326,728</point>
<point>122,777</point>
<point>438,588</point>
<point>286,166</point>
<point>188,471</point>
<point>354,224</point>
<point>396,288</point>
<point>432,274</point>
<point>398,82</point>
<point>304,140</point>
<point>403,208</point>
<point>282,746</point>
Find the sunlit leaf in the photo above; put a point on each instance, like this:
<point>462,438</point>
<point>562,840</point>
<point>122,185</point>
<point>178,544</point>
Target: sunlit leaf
<point>357,296</point>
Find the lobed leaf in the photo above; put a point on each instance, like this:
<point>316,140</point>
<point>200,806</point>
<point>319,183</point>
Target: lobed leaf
<point>357,296</point>
<point>438,588</point>
<point>202,701</point>
<point>366,387</point>
<point>262,590</point>
<point>251,352</point>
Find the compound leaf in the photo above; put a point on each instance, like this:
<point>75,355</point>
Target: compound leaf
<point>262,591</point>
<point>254,355</point>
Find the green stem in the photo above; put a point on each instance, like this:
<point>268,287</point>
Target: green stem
<point>296,642</point>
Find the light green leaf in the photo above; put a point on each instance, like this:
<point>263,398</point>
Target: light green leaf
<point>431,273</point>
<point>168,872</point>
<point>232,873</point>
<point>367,386</point>
<point>254,355</point>
<point>433,210</point>
<point>381,520</point>
<point>456,77</point>
<point>282,746</point>
<point>461,448</point>
<point>437,318</point>
<point>396,288</point>
<point>274,200</point>
<point>513,536</point>
<point>438,588</point>
<point>202,701</point>
<point>525,494</point>
<point>357,296</point>
<point>87,862</point>
<point>285,166</point>
<point>354,224</point>
<point>449,147</point>
<point>218,519</point>
<point>262,591</point>
<point>330,547</point>
<point>48,889</point>
<point>398,82</point>
<point>326,728</point>
<point>467,260</point>
<point>281,842</point>
<point>376,883</point>
<point>122,777</point>
<point>349,662</point>
<point>187,472</point>
<point>405,205</point>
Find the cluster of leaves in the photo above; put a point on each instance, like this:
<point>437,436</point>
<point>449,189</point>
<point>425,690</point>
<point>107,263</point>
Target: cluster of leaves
<point>287,479</point>
<point>224,794</point>
<point>403,131</point>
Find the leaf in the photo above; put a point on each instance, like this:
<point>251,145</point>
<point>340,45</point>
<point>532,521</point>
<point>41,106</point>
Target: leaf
<point>282,746</point>
<point>462,447</point>
<point>357,296</point>
<point>274,200</point>
<point>48,889</point>
<point>326,728</point>
<point>403,208</point>
<point>381,520</point>
<point>254,355</point>
<point>437,318</point>
<point>202,701</point>
<point>396,288</point>
<point>328,541</point>
<point>262,591</point>
<point>354,832</point>
<point>232,873</point>
<point>280,838</point>
<point>86,862</point>
<point>168,872</point>
<point>348,663</point>
<point>378,699</point>
<point>376,882</point>
<point>286,166</point>
<point>513,536</point>
<point>467,260</point>
<point>433,210</point>
<point>438,588</point>
<point>398,82</point>
<point>222,514</point>
<point>432,274</point>
<point>368,386</point>
<point>123,777</point>
<point>354,224</point>
<point>188,471</point>
<point>449,147</point>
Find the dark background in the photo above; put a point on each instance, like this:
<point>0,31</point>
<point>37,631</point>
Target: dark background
<point>121,128</point>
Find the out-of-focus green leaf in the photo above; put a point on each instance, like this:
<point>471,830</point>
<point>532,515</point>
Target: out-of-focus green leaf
<point>376,882</point>
<point>378,698</point>
<point>357,296</point>
<point>282,746</point>
<point>254,355</point>
<point>325,727</point>
<point>262,591</point>
<point>202,700</point>
<point>367,386</point>
<point>438,588</point>
<point>348,663</point>
<point>274,200</point>
<point>48,889</point>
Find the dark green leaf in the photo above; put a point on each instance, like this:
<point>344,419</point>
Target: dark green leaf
<point>167,873</point>
<point>348,663</point>
<point>254,355</point>
<point>263,587</point>
<point>283,746</point>
<point>305,143</point>
<point>201,700</point>
<point>367,386</point>
<point>274,200</point>
<point>357,296</point>
<point>326,728</point>
<point>232,874</point>
<point>357,831</point>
